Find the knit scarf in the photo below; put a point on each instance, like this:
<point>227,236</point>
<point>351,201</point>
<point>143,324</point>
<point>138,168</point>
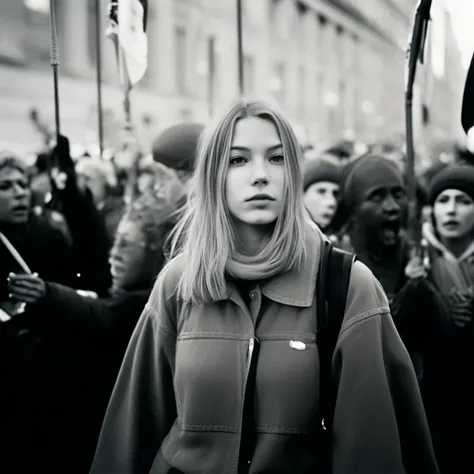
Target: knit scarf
<point>255,267</point>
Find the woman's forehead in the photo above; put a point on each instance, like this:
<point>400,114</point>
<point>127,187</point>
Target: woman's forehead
<point>11,173</point>
<point>255,132</point>
<point>453,193</point>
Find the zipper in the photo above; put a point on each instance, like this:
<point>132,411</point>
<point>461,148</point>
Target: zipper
<point>249,356</point>
<point>246,420</point>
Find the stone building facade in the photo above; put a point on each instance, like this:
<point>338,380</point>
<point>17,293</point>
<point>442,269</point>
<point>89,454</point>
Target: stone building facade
<point>336,67</point>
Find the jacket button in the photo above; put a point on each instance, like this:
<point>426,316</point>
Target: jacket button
<point>253,294</point>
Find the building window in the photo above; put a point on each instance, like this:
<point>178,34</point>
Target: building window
<point>301,12</point>
<point>38,6</point>
<point>181,58</point>
<point>91,33</point>
<point>342,104</point>
<point>212,78</point>
<point>319,90</point>
<point>301,88</point>
<point>273,6</point>
<point>249,74</point>
<point>37,36</point>
<point>278,83</point>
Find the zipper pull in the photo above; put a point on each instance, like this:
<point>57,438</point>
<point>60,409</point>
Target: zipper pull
<point>251,350</point>
<point>251,346</point>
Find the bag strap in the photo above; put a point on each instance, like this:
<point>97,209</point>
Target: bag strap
<point>331,294</point>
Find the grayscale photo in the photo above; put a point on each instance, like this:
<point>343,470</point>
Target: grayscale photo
<point>236,236</point>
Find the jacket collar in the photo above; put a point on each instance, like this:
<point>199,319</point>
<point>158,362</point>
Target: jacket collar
<point>297,286</point>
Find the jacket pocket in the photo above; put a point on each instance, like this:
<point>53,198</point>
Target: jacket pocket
<point>287,384</point>
<point>209,382</point>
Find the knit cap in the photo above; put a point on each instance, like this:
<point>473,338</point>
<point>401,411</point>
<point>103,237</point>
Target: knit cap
<point>176,146</point>
<point>317,170</point>
<point>459,177</point>
<point>360,177</point>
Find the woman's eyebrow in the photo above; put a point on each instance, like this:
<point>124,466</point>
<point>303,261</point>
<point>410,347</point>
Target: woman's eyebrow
<point>243,148</point>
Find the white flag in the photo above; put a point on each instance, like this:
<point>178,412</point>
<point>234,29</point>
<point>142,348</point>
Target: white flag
<point>126,26</point>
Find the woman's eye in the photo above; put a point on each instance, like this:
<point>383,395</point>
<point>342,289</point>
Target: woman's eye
<point>466,201</point>
<point>237,160</point>
<point>277,158</point>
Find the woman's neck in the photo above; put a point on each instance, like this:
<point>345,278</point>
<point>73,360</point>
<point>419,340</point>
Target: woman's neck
<point>251,238</point>
<point>457,246</point>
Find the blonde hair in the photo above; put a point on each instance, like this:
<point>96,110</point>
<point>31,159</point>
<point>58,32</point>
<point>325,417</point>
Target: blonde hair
<point>205,234</point>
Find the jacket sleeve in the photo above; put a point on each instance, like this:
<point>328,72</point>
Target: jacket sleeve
<point>66,309</point>
<point>379,419</point>
<point>142,406</point>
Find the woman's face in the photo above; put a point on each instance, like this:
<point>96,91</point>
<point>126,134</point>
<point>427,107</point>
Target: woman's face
<point>453,213</point>
<point>128,257</point>
<point>15,196</point>
<point>256,176</point>
<point>320,199</point>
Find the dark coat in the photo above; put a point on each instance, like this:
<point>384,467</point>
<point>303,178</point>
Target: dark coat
<point>60,382</point>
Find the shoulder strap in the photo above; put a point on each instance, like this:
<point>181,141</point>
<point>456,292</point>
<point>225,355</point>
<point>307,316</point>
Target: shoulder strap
<point>331,287</point>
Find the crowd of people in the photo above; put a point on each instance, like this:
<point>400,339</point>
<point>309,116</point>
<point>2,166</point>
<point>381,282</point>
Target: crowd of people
<point>163,318</point>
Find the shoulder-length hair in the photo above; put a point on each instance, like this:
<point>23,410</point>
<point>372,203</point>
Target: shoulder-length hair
<point>205,235</point>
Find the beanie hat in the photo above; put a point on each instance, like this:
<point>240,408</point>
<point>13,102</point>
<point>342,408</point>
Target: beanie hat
<point>176,146</point>
<point>359,178</point>
<point>317,170</point>
<point>367,173</point>
<point>459,177</point>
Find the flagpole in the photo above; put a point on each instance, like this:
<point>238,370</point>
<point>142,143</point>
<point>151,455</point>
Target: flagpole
<point>99,76</point>
<point>240,53</point>
<point>126,87</point>
<point>415,53</point>
<point>54,59</point>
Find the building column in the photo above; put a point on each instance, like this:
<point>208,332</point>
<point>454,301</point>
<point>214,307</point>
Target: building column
<point>12,29</point>
<point>73,27</point>
<point>164,54</point>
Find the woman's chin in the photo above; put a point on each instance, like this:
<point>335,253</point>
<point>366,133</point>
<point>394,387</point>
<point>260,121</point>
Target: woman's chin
<point>261,217</point>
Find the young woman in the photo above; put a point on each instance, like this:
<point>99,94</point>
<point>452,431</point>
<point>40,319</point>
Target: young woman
<point>447,388</point>
<point>222,371</point>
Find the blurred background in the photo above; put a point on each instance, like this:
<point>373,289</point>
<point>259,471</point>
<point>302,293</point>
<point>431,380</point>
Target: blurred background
<point>335,66</point>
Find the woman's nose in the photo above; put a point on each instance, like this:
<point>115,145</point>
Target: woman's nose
<point>21,191</point>
<point>259,174</point>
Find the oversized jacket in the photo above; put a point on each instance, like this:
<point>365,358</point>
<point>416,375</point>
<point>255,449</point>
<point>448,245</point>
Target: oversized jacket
<point>178,403</point>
